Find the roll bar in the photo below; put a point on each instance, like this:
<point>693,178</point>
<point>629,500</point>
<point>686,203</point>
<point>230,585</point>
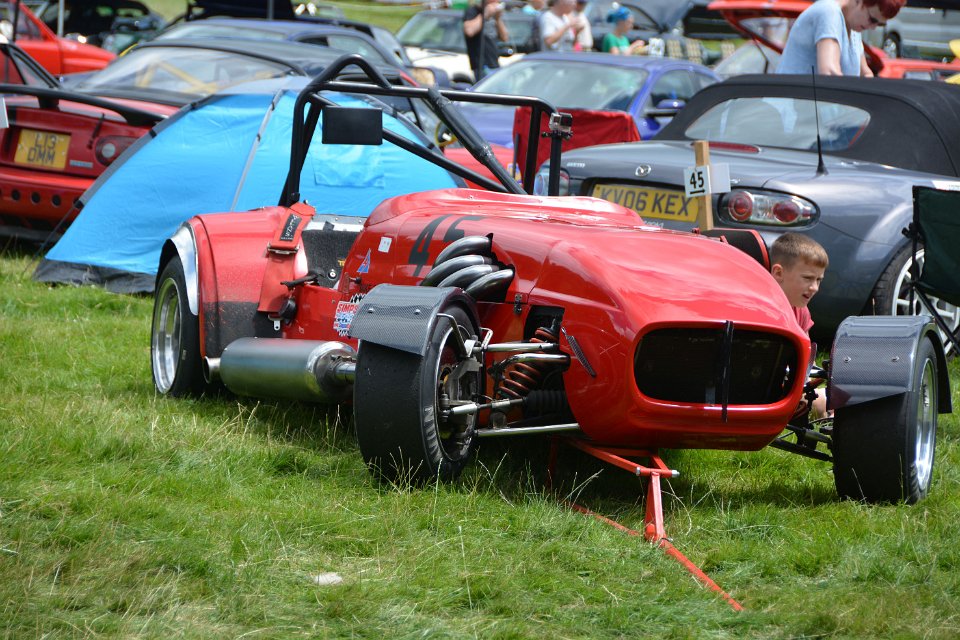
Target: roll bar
<point>441,102</point>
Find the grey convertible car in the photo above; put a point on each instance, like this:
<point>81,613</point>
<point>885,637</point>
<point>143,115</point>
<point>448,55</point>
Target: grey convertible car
<point>878,138</point>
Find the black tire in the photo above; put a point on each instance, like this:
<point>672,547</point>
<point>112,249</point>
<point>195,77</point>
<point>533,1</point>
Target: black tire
<point>883,450</point>
<point>891,295</point>
<point>175,336</point>
<point>400,431</point>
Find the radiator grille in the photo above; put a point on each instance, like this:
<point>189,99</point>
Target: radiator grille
<point>687,365</point>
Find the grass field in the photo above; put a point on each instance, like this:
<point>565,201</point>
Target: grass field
<point>127,515</point>
<point>389,16</point>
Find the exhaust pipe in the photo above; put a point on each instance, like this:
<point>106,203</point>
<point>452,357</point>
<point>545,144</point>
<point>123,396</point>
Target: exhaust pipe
<point>311,370</point>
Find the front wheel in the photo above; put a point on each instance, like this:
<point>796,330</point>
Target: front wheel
<point>175,336</point>
<point>399,402</point>
<point>883,450</point>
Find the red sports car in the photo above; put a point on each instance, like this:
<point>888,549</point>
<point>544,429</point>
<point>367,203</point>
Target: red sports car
<point>58,55</point>
<point>450,316</point>
<point>56,144</point>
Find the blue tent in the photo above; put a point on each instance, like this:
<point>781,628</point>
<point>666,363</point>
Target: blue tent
<point>229,152</point>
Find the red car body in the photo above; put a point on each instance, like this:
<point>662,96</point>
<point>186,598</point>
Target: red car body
<point>59,56</point>
<point>883,66</point>
<point>50,155</point>
<point>578,252</point>
<point>451,315</point>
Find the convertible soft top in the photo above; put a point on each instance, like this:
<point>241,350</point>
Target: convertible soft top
<point>914,124</point>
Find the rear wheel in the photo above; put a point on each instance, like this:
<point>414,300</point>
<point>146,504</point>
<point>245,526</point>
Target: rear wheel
<point>891,296</point>
<point>399,399</point>
<point>883,450</point>
<point>175,336</point>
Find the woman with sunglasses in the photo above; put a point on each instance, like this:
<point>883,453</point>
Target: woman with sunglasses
<point>825,38</point>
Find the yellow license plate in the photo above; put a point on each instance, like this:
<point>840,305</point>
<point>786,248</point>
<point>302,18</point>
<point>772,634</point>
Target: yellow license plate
<point>661,204</point>
<point>42,149</point>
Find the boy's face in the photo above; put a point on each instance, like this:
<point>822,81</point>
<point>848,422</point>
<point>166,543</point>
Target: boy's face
<point>800,281</point>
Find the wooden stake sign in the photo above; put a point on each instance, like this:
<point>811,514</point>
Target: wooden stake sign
<point>703,180</point>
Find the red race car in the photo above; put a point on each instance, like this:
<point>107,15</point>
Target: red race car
<point>59,56</point>
<point>450,316</point>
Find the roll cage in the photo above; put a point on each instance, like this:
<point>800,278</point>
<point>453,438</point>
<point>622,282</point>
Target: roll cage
<point>346,120</point>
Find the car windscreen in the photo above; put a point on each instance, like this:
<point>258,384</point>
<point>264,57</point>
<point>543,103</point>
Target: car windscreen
<point>434,31</point>
<point>182,70</point>
<point>199,29</point>
<point>781,122</point>
<point>568,84</point>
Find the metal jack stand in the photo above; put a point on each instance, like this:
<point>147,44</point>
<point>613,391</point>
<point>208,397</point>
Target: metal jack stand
<point>653,529</point>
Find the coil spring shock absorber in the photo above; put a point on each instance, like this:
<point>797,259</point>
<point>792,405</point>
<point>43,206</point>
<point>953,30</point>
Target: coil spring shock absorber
<point>521,378</point>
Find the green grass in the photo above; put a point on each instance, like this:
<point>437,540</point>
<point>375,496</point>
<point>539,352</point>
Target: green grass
<point>389,16</point>
<point>127,515</point>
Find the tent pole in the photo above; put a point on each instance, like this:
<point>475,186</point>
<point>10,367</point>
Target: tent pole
<point>254,147</point>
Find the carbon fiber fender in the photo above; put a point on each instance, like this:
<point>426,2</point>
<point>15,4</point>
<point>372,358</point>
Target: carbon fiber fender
<point>875,357</point>
<point>403,317</point>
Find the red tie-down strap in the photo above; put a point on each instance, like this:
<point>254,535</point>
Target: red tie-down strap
<point>281,257</point>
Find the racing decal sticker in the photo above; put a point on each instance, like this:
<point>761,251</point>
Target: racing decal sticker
<point>385,243</point>
<point>420,252</point>
<point>365,267</point>
<point>344,314</point>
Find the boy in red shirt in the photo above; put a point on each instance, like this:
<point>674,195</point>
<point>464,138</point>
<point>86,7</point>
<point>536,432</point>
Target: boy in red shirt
<point>798,263</point>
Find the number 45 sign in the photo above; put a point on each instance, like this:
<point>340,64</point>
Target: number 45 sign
<point>706,179</point>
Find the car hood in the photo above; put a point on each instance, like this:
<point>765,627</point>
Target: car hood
<point>416,54</point>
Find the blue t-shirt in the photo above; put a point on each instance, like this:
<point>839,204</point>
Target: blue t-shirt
<point>823,19</point>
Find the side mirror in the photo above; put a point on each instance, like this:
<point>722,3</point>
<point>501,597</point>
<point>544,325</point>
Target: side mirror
<point>665,109</point>
<point>348,125</point>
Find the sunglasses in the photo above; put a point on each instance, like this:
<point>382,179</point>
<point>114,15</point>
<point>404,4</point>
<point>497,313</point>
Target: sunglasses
<point>876,22</point>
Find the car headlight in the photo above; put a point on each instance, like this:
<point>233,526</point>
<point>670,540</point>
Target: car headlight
<point>766,208</point>
<point>541,182</point>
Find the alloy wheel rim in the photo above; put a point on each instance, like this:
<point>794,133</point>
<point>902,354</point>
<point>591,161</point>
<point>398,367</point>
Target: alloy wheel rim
<point>166,336</point>
<point>926,426</point>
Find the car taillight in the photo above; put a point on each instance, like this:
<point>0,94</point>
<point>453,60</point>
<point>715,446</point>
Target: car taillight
<point>766,208</point>
<point>110,147</point>
<point>740,206</point>
<point>540,182</point>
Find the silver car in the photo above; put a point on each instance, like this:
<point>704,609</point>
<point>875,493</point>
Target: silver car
<point>836,160</point>
<point>924,30</point>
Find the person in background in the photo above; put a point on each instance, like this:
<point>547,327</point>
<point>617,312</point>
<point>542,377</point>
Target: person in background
<point>534,7</point>
<point>480,23</point>
<point>616,41</point>
<point>585,37</point>
<point>826,37</point>
<point>557,30</point>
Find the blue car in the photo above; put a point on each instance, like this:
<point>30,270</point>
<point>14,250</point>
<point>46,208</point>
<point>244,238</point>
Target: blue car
<point>650,89</point>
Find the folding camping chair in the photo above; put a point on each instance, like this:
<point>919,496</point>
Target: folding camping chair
<point>936,225</point>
